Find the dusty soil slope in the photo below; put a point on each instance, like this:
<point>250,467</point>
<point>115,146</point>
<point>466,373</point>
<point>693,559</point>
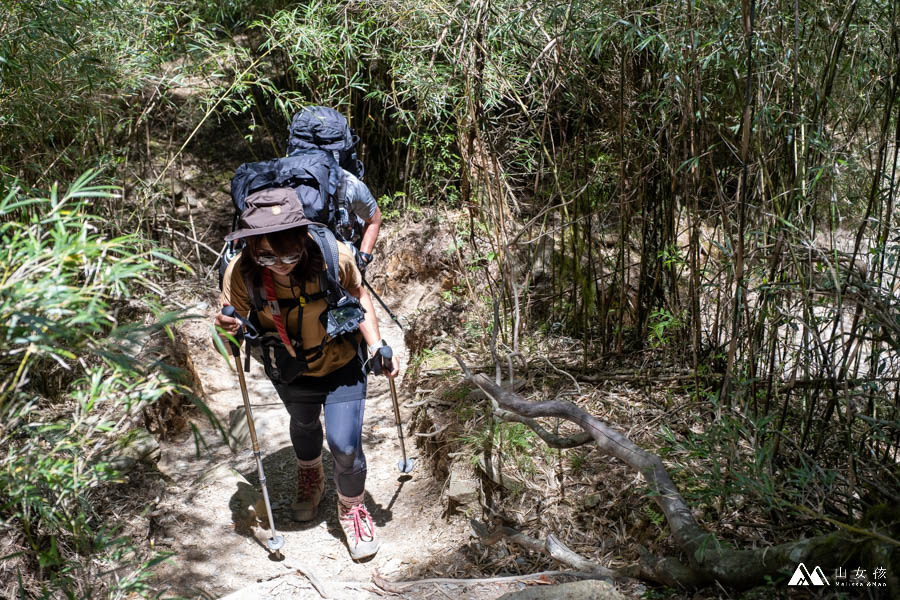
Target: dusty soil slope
<point>207,515</point>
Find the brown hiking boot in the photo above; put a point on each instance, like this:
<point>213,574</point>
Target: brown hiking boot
<point>310,487</point>
<point>359,530</point>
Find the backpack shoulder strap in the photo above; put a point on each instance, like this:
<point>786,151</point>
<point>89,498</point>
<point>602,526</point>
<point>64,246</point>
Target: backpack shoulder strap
<point>328,245</point>
<point>342,209</point>
<point>340,194</point>
<point>344,312</point>
<point>257,300</point>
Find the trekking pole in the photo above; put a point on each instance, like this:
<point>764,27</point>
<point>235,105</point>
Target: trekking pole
<point>383,305</point>
<point>406,465</point>
<point>275,542</point>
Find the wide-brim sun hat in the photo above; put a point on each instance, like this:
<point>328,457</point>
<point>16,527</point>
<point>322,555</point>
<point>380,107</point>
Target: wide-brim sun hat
<point>268,211</point>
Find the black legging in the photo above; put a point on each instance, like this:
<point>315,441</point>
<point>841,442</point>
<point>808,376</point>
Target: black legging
<point>343,393</point>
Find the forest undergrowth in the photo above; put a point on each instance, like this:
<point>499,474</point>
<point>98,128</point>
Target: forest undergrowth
<point>680,217</point>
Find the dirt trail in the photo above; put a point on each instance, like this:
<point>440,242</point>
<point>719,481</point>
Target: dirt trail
<point>206,515</point>
<point>211,497</point>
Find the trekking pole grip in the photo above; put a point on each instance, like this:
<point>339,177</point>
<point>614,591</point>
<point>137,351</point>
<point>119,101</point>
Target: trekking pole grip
<point>228,311</point>
<point>387,355</point>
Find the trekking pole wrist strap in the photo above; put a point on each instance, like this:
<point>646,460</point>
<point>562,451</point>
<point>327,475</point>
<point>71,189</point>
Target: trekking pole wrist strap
<point>373,348</point>
<point>367,258</point>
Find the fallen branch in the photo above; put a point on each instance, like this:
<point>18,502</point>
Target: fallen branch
<point>313,580</point>
<point>434,432</point>
<point>551,439</point>
<point>707,558</point>
<point>552,547</point>
<point>305,572</point>
<point>397,587</point>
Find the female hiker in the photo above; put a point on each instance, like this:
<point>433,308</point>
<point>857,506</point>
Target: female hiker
<point>313,346</point>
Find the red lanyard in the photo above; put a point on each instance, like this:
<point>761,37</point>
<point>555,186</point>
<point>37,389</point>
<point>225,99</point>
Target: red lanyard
<point>275,309</point>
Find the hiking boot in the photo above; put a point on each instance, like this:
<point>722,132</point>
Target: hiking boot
<point>310,487</point>
<point>359,530</point>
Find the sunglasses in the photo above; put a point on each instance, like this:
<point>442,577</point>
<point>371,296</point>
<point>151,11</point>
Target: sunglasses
<point>268,260</point>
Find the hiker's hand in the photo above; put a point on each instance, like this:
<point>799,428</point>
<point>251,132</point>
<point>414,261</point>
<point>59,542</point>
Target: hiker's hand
<point>227,324</point>
<point>383,362</point>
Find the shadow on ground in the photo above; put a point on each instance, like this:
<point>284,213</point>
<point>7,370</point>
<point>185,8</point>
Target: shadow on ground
<point>248,509</point>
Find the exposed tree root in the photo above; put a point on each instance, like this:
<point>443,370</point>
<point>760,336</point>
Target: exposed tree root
<point>706,560</point>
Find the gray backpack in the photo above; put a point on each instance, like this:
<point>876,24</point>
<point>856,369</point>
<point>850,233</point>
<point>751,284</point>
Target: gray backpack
<point>323,128</point>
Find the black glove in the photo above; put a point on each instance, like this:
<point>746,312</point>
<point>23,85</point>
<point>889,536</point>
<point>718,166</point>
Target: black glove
<point>382,361</point>
<point>362,261</point>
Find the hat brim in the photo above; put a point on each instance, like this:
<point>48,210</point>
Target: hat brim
<point>243,233</point>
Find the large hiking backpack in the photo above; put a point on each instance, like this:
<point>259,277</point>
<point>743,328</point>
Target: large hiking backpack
<point>323,128</point>
<point>316,178</point>
<point>313,174</point>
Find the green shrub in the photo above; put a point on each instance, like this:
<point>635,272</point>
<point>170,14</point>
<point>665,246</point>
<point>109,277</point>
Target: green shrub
<point>82,80</point>
<point>71,384</point>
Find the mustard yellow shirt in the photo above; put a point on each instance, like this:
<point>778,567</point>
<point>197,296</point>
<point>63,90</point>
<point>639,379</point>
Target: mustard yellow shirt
<point>335,354</point>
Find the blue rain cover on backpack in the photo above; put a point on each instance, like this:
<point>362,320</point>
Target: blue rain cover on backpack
<point>323,128</point>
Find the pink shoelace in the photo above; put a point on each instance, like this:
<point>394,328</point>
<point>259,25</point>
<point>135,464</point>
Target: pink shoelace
<point>358,515</point>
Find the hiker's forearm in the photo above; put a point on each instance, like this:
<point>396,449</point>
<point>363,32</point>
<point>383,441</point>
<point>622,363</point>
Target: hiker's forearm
<point>370,235</point>
<point>369,327</point>
<point>390,365</point>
